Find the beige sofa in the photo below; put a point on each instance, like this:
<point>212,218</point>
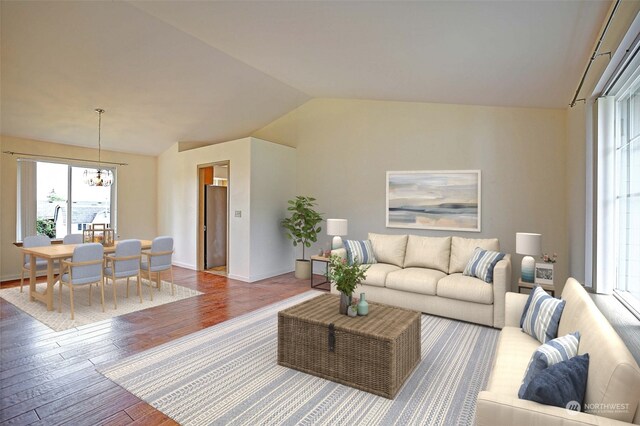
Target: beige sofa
<point>613,382</point>
<point>425,274</point>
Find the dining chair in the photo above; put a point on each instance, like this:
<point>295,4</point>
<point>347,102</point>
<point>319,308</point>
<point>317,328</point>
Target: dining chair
<point>41,264</point>
<point>125,263</point>
<point>158,260</point>
<point>72,239</point>
<point>84,268</point>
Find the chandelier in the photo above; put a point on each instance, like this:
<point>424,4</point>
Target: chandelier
<point>99,176</point>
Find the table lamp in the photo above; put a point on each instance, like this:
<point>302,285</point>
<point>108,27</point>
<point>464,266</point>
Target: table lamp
<point>529,245</point>
<point>336,228</point>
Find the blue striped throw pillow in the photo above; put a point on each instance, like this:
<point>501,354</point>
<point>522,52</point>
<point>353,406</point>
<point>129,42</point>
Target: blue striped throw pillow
<point>359,252</point>
<point>552,352</point>
<point>482,263</point>
<point>541,315</point>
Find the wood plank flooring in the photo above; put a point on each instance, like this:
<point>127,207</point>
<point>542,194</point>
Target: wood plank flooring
<point>50,378</point>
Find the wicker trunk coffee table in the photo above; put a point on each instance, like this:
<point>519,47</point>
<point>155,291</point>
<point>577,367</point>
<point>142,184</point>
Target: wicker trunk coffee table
<point>375,353</point>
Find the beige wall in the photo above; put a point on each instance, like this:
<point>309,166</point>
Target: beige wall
<point>344,148</point>
<point>136,194</point>
<point>258,247</point>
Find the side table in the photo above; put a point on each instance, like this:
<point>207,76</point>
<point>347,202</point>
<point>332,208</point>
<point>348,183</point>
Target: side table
<point>324,260</point>
<point>549,288</point>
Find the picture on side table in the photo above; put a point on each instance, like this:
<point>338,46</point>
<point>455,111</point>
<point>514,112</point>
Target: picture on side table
<point>544,273</point>
<point>439,199</point>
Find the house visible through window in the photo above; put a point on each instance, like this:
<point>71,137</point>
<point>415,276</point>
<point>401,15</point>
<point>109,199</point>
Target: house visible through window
<point>54,200</point>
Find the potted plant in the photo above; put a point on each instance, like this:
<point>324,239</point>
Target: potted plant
<point>346,278</point>
<point>302,228</point>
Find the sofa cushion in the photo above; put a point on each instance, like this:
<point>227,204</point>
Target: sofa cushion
<point>359,251</point>
<point>462,249</point>
<point>552,352</point>
<point>377,273</point>
<point>428,252</point>
<point>415,280</point>
<point>561,385</point>
<point>461,287</point>
<point>513,353</point>
<point>389,248</point>
<point>541,315</point>
<point>482,263</point>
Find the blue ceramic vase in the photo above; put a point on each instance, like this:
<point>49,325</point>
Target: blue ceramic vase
<point>363,306</point>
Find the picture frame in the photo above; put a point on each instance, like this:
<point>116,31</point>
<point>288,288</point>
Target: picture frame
<point>446,200</point>
<point>543,273</point>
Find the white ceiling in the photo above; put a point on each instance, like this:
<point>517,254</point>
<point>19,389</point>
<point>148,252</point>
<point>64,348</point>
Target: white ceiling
<point>214,71</point>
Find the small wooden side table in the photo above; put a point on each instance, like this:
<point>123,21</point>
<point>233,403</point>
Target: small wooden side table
<point>549,288</point>
<point>324,260</point>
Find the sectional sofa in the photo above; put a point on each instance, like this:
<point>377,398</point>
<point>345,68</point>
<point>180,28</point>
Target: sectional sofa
<point>613,380</point>
<point>425,274</point>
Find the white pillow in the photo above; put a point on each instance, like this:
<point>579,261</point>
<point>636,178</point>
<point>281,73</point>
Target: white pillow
<point>389,248</point>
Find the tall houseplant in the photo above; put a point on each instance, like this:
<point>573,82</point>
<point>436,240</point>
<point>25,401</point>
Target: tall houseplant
<point>302,228</point>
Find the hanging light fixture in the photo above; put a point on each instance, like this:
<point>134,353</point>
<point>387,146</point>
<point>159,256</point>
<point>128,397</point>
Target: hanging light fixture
<point>100,176</point>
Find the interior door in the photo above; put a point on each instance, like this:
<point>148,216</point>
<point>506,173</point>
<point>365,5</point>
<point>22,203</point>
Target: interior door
<point>215,221</point>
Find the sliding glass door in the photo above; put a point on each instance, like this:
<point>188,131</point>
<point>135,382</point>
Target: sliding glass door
<point>54,200</point>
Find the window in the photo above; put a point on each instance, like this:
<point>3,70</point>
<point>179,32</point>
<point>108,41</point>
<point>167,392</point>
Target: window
<point>627,191</point>
<point>54,200</point>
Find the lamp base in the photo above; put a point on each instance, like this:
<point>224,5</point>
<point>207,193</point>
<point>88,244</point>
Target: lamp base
<point>336,243</point>
<point>527,268</point>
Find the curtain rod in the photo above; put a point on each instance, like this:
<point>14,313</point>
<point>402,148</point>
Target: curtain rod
<point>594,55</point>
<point>64,158</point>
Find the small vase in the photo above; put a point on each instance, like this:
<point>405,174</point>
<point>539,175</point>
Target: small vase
<point>345,301</point>
<point>363,306</point>
<point>352,311</point>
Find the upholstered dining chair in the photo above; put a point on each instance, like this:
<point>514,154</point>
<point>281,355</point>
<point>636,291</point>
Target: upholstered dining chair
<point>158,259</point>
<point>72,239</point>
<point>84,268</point>
<point>125,263</point>
<point>41,264</point>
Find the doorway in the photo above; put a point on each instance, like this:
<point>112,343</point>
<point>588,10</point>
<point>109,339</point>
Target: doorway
<point>213,223</point>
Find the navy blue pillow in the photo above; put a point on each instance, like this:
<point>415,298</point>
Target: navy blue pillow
<point>561,383</point>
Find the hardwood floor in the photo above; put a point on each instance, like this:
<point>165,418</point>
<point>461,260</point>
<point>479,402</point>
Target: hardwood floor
<point>49,377</point>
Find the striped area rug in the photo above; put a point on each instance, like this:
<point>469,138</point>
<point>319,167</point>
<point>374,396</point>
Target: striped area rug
<point>228,375</point>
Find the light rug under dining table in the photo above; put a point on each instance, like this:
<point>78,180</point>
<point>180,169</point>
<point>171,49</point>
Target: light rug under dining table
<point>85,314</point>
<point>228,374</point>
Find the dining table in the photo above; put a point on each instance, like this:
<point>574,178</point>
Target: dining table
<point>51,254</point>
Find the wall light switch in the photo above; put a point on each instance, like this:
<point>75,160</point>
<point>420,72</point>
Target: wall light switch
<point>238,213</point>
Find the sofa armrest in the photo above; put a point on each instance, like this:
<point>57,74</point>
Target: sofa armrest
<point>501,284</point>
<point>495,410</point>
<point>514,307</point>
<point>341,253</point>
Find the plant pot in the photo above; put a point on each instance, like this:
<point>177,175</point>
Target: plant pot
<point>352,312</point>
<point>303,269</point>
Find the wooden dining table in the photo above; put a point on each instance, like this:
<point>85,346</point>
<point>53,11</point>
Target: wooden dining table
<point>51,254</point>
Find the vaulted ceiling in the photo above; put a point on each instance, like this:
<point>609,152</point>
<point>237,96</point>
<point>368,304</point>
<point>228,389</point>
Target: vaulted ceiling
<point>169,71</point>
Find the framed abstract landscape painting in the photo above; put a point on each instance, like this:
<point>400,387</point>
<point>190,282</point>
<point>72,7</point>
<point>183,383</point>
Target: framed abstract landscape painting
<point>440,199</point>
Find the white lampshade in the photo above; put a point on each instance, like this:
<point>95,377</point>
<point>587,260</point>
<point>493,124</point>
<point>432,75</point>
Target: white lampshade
<point>337,227</point>
<point>528,243</point>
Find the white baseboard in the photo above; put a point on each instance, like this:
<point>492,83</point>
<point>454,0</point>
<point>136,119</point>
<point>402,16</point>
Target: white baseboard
<point>185,265</point>
<point>254,278</point>
<point>238,277</point>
